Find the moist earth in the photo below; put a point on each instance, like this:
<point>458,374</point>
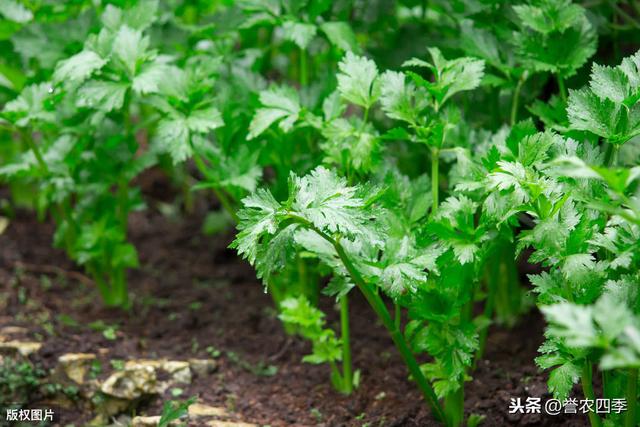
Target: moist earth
<point>193,298</point>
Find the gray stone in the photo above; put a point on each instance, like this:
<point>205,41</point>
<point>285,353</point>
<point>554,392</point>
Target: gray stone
<point>145,421</point>
<point>180,371</point>
<point>203,367</point>
<point>201,410</point>
<point>76,365</point>
<point>23,348</point>
<point>134,381</point>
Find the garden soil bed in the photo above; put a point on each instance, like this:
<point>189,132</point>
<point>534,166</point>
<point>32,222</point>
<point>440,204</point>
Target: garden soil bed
<point>192,297</point>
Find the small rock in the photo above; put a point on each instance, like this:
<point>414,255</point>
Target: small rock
<point>216,423</point>
<point>132,382</point>
<point>149,421</point>
<point>143,362</point>
<point>145,421</point>
<point>203,367</point>
<point>24,348</point>
<point>200,410</point>
<point>76,365</point>
<point>180,371</point>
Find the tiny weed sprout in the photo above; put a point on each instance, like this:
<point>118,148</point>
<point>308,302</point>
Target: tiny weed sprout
<point>424,173</point>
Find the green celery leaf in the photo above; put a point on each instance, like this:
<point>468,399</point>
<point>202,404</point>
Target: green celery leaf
<point>79,67</point>
<point>30,105</point>
<point>572,323</point>
<point>150,78</point>
<point>102,95</point>
<point>15,11</point>
<point>129,48</point>
<point>555,36</point>
<point>300,33</point>
<point>563,377</point>
<point>341,35</point>
<point>357,80</point>
<point>138,17</point>
<point>550,16</point>
<point>451,76</point>
<point>401,100</point>
<point>281,103</point>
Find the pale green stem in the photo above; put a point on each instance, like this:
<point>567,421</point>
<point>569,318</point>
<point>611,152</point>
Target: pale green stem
<point>435,163</point>
<point>516,99</point>
<point>482,340</point>
<point>454,407</point>
<point>398,315</point>
<point>562,88</point>
<point>36,152</point>
<point>63,210</point>
<point>587,388</point>
<point>612,154</point>
<point>347,369</point>
<point>365,117</point>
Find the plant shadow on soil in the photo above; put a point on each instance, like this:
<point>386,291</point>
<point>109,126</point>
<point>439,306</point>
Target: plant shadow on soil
<point>193,296</point>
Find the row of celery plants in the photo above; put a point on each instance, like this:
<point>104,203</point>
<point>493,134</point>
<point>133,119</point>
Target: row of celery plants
<point>432,259</point>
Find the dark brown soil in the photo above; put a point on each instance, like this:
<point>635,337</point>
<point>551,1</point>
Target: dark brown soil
<point>192,293</point>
